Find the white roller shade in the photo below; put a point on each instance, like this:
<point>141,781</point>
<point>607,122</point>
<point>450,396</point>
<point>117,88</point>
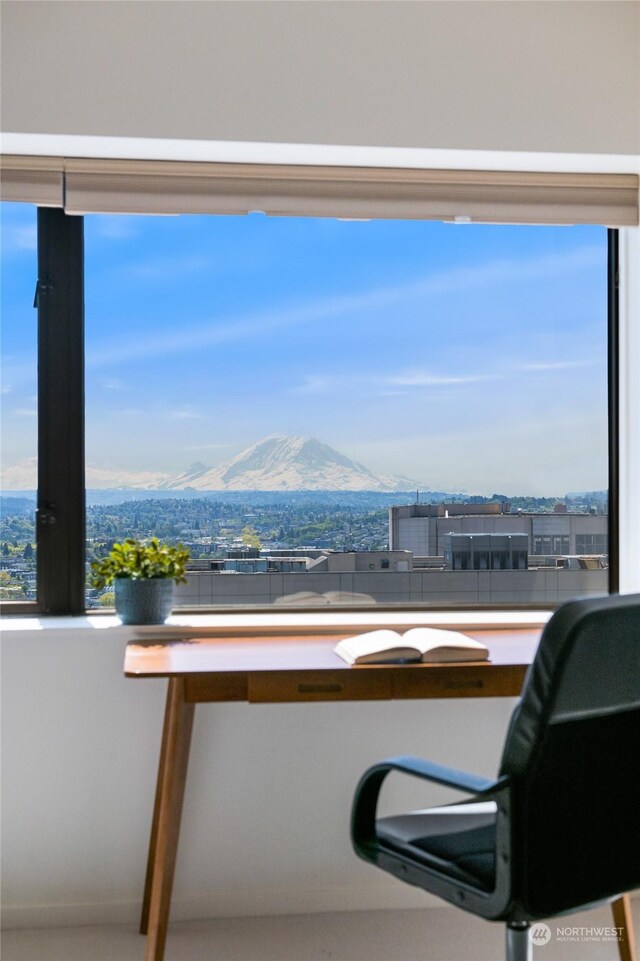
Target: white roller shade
<point>121,186</point>
<point>35,180</point>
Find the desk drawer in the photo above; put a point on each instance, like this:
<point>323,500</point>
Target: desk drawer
<point>459,680</point>
<point>342,685</point>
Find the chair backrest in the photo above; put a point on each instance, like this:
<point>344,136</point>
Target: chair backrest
<point>573,754</point>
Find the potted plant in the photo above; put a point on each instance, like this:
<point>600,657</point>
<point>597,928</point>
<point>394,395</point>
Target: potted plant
<point>142,574</point>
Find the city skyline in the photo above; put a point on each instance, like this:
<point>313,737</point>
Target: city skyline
<point>471,358</point>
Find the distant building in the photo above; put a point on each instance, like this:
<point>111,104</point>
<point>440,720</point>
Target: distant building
<point>337,562</point>
<point>251,562</point>
<point>465,554</point>
<point>486,552</point>
<point>424,588</point>
<point>423,528</point>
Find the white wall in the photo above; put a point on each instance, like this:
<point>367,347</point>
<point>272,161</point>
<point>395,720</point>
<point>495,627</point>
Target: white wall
<point>265,826</point>
<point>526,76</point>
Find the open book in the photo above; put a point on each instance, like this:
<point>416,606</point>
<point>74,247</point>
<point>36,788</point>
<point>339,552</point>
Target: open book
<point>428,644</point>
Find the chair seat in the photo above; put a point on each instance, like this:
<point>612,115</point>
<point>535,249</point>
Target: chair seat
<point>457,840</point>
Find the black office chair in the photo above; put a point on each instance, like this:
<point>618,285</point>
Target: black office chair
<point>559,828</point>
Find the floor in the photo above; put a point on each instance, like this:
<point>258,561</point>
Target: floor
<point>437,934</point>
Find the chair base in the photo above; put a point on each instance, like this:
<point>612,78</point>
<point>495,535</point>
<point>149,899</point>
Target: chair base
<point>518,942</point>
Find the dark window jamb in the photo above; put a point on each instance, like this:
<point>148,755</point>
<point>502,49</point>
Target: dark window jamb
<point>60,517</point>
<point>613,361</point>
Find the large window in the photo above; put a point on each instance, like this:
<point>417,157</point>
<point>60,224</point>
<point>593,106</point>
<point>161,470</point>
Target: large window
<point>277,392</point>
<point>324,411</point>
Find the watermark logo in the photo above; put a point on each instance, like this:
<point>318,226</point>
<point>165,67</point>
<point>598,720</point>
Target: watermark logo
<point>589,933</point>
<point>539,934</point>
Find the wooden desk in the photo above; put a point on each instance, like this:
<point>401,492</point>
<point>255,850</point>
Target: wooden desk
<point>282,669</point>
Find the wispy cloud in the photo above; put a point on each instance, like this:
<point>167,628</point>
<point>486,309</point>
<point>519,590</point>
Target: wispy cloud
<point>6,389</point>
<point>17,238</point>
<point>131,412</point>
<point>185,413</point>
<point>169,269</point>
<point>19,371</point>
<point>115,227</point>
<point>557,365</point>
<point>113,383</point>
<point>314,384</point>
<point>400,384</point>
<point>426,379</point>
<point>24,412</point>
<point>226,330</point>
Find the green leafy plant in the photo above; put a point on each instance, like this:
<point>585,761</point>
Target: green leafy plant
<point>140,560</point>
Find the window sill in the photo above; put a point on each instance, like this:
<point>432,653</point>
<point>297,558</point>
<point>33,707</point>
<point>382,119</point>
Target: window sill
<point>179,625</point>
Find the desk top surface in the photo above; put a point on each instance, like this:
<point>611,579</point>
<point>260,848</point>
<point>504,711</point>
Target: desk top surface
<point>297,652</point>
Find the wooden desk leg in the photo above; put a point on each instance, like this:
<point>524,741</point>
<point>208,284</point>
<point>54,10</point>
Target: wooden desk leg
<point>623,918</point>
<point>153,840</point>
<point>165,828</point>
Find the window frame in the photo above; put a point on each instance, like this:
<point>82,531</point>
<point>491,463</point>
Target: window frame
<point>613,404</point>
<point>61,507</point>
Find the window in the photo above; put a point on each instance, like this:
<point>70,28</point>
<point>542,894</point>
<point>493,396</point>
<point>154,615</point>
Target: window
<point>551,545</point>
<point>19,451</point>
<point>591,543</point>
<point>445,378</point>
<point>280,385</point>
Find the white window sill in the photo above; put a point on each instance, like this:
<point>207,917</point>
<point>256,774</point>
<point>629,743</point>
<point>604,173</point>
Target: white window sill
<point>179,625</point>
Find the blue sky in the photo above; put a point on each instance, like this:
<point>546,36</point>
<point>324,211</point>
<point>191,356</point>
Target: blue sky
<point>468,357</point>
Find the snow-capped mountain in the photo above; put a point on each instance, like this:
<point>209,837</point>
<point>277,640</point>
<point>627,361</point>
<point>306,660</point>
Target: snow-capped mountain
<point>286,462</point>
<point>187,478</point>
<point>280,462</point>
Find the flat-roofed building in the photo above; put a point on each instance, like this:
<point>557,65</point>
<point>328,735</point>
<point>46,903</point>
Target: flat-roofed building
<point>334,562</point>
<point>486,552</point>
<point>423,528</point>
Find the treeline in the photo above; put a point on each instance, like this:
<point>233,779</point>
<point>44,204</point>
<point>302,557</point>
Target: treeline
<point>198,521</point>
<point>352,520</point>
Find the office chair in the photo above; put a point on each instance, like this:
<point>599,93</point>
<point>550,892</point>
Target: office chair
<point>559,829</point>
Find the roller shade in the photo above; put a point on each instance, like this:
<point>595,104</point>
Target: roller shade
<point>35,180</point>
<point>168,187</point>
<point>350,192</point>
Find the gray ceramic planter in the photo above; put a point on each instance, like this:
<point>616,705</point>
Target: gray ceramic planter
<point>144,601</point>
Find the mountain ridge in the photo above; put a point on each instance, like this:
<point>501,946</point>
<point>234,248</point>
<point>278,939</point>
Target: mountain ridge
<point>279,462</point>
<point>286,462</point>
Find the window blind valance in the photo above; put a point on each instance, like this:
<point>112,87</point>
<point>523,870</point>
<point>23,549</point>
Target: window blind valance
<point>167,187</point>
<point>350,192</point>
<point>34,180</point>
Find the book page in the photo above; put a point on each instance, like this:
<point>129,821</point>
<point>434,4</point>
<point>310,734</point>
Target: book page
<point>419,643</point>
<point>373,642</point>
<point>428,638</point>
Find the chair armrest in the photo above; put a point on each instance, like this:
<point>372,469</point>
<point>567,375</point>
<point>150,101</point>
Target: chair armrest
<point>438,773</point>
<point>363,815</point>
